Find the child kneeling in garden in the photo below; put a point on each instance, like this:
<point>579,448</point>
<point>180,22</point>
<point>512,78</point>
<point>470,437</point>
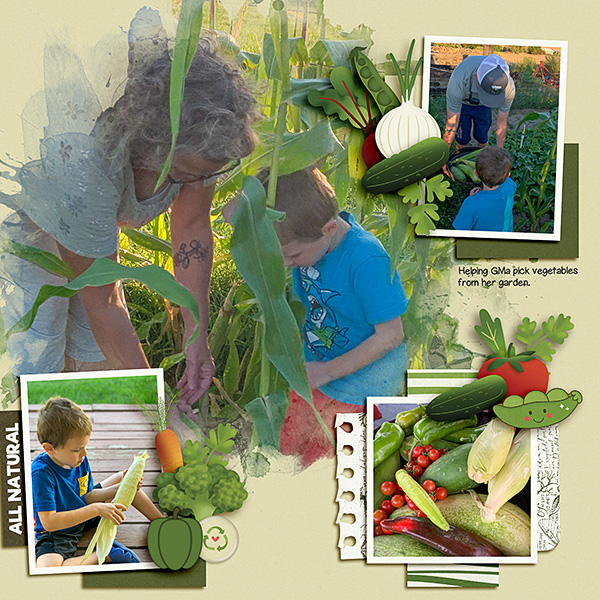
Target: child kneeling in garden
<point>353,337</point>
<point>66,503</point>
<point>489,208</point>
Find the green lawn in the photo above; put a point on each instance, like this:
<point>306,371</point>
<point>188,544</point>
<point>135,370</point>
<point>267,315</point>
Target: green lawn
<point>101,390</point>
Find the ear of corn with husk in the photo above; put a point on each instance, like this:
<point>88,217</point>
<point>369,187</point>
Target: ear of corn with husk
<point>107,529</point>
<point>489,451</point>
<point>512,478</point>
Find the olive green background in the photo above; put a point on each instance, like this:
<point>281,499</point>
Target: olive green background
<point>288,538</point>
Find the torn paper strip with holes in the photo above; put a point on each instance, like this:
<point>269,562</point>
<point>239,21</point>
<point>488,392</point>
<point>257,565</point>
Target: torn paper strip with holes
<point>350,475</point>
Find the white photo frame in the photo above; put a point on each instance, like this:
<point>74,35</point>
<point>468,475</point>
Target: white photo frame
<point>401,404</point>
<point>128,455</point>
<point>561,47</point>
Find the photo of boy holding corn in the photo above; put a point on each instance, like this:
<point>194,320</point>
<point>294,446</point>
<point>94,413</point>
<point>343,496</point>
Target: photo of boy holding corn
<point>66,502</point>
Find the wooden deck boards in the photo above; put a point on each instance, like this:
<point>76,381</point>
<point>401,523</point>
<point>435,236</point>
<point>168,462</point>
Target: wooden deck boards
<point>120,432</point>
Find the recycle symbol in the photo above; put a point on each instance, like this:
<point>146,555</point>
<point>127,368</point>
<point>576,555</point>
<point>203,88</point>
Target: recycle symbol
<point>215,535</point>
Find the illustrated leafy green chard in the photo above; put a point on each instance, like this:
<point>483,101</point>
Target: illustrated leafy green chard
<point>539,342</point>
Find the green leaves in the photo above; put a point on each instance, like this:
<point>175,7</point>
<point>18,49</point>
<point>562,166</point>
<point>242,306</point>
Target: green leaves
<point>105,271</point>
<point>257,254</point>
<point>490,331</point>
<point>423,216</point>
<point>268,415</point>
<point>221,440</point>
<point>541,341</point>
<point>423,195</point>
<point>347,99</point>
<point>46,260</point>
<point>438,187</point>
<point>186,42</point>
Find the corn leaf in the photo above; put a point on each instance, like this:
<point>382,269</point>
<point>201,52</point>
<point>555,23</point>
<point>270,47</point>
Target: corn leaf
<point>186,42</point>
<point>105,271</point>
<point>268,415</point>
<point>46,260</point>
<point>148,240</point>
<point>335,52</point>
<point>257,255</point>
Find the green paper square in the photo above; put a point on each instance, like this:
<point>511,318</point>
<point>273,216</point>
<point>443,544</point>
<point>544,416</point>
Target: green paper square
<point>567,247</point>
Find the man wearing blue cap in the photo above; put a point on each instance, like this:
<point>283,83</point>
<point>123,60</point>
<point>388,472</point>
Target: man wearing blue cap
<point>477,85</point>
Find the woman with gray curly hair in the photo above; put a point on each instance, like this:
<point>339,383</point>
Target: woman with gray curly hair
<point>97,176</point>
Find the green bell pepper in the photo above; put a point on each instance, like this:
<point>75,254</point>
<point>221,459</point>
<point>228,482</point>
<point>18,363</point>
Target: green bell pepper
<point>409,418</point>
<point>427,430</point>
<point>387,441</point>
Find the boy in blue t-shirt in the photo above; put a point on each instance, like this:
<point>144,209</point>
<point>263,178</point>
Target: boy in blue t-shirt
<point>353,338</point>
<point>489,208</point>
<point>66,503</point>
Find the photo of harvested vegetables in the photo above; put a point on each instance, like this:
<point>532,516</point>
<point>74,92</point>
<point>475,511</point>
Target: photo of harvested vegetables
<point>499,104</point>
<point>449,490</point>
<point>92,471</point>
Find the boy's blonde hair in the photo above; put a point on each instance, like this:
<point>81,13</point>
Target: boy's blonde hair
<point>493,165</point>
<point>308,201</point>
<point>60,419</point>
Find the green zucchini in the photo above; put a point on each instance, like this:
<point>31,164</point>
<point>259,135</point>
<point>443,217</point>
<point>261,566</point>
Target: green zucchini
<point>510,532</point>
<point>450,471</point>
<point>458,174</point>
<point>471,155</point>
<point>401,545</point>
<point>468,171</point>
<point>386,471</point>
<point>470,399</point>
<point>407,167</point>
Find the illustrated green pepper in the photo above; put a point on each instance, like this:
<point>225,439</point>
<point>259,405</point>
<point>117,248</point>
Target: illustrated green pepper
<point>467,435</point>
<point>387,441</point>
<point>409,418</point>
<point>427,430</point>
<point>538,409</point>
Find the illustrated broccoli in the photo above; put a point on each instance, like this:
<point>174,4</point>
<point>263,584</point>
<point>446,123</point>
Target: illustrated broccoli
<point>204,485</point>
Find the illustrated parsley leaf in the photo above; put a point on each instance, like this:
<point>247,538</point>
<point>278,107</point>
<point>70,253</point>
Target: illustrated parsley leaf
<point>221,440</point>
<point>438,187</point>
<point>411,193</point>
<point>490,331</point>
<point>540,340</point>
<point>557,329</point>
<point>423,215</point>
<point>526,331</point>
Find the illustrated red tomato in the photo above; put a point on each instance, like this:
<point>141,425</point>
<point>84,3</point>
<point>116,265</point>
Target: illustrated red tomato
<point>522,373</point>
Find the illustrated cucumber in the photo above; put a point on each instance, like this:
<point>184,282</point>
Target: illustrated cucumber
<point>470,399</point>
<point>401,545</point>
<point>510,532</point>
<point>450,471</point>
<point>407,167</point>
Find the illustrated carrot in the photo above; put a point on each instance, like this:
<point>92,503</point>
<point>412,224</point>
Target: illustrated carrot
<point>169,450</point>
<point>166,442</point>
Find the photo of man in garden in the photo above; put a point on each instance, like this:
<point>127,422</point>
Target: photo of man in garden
<point>477,85</point>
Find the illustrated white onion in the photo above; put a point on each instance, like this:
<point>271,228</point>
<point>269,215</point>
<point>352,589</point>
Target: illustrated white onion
<point>404,127</point>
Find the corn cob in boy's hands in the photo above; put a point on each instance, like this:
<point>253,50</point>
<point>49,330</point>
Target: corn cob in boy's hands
<point>107,529</point>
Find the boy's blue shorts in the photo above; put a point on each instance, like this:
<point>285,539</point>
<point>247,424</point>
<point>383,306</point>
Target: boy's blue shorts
<point>477,118</point>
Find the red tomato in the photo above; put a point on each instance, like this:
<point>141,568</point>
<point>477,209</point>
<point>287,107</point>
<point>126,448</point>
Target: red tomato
<point>387,506</point>
<point>440,493</point>
<point>388,488</point>
<point>418,471</point>
<point>378,531</point>
<point>534,375</point>
<point>379,515</point>
<point>420,513</point>
<point>417,451</point>
<point>433,454</point>
<point>423,461</point>
<point>429,485</point>
<point>397,500</point>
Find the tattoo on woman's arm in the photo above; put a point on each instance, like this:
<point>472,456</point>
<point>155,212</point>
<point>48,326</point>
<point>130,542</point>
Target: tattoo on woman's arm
<point>196,251</point>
